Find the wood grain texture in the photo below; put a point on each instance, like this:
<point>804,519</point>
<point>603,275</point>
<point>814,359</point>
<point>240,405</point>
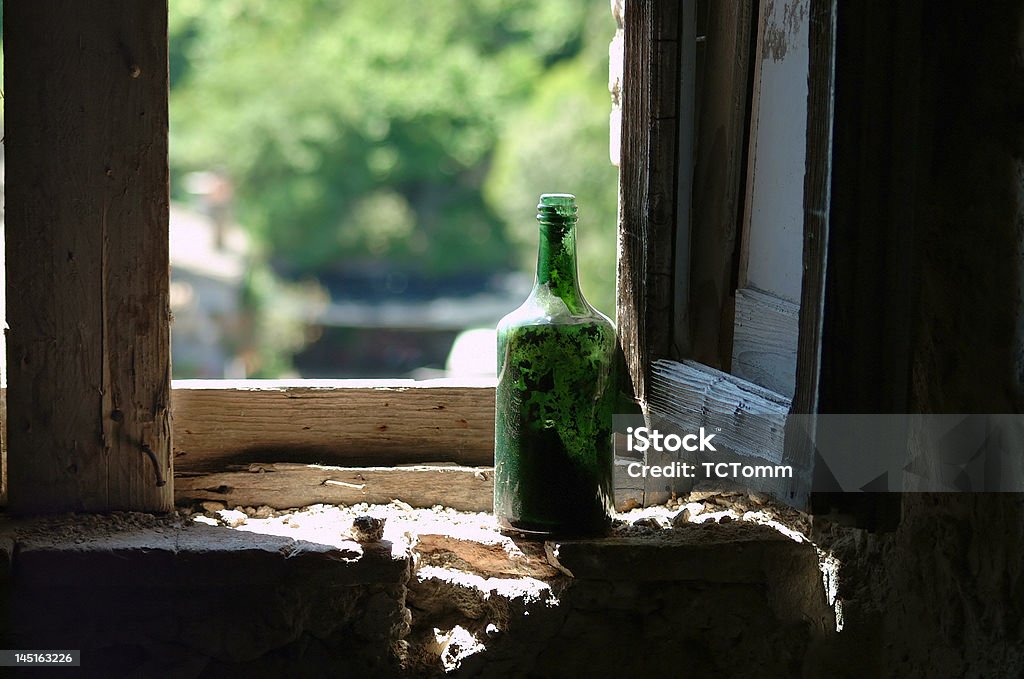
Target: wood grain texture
<point>284,485</point>
<point>298,426</point>
<point>817,209</point>
<point>765,341</point>
<point>87,255</point>
<point>751,419</point>
<point>334,422</point>
<point>648,185</point>
<point>3,447</point>
<point>854,345</point>
<point>817,201</point>
<point>289,485</point>
<point>719,177</point>
<point>694,395</point>
<point>687,122</point>
<point>922,299</point>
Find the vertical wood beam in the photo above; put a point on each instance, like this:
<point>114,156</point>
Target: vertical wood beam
<point>817,201</point>
<point>648,186</point>
<point>723,117</point>
<point>686,115</point>
<point>87,255</point>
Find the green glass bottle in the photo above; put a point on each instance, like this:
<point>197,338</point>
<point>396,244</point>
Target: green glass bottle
<point>555,395</point>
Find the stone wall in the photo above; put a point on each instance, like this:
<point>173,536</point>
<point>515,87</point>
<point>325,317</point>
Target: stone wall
<point>160,597</point>
<point>942,596</point>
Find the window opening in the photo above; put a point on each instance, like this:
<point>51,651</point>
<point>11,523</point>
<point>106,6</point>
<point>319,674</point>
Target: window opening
<point>353,183</point>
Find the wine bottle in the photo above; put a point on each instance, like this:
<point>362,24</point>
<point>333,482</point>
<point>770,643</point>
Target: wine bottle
<point>555,395</point>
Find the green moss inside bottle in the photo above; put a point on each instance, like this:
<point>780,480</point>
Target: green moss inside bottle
<point>555,395</point>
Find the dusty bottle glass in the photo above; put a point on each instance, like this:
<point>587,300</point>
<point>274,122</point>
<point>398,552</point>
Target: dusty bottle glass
<point>555,395</point>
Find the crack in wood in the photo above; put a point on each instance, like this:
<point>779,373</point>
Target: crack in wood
<point>345,484</point>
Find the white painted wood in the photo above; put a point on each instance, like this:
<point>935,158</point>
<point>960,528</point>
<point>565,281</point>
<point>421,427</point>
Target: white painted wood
<point>748,420</point>
<point>692,395</point>
<point>773,251</point>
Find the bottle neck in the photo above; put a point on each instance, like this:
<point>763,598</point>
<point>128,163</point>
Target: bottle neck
<point>556,260</point>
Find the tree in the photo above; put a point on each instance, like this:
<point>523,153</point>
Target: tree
<point>558,142</point>
<point>360,132</point>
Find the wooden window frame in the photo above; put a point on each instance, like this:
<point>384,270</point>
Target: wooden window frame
<point>90,398</point>
<point>679,230</point>
<point>851,346</point>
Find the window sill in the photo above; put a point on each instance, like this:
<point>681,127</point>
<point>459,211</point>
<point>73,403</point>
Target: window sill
<point>292,443</point>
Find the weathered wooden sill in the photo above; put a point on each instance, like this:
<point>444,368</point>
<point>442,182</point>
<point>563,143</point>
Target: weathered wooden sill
<point>286,485</point>
<point>293,443</point>
<point>333,422</point>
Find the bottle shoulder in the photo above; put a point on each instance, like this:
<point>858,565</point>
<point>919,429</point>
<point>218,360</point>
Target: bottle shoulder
<point>542,308</point>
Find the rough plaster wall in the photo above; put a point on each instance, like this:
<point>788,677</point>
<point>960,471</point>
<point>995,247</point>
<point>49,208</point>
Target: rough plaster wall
<point>944,594</point>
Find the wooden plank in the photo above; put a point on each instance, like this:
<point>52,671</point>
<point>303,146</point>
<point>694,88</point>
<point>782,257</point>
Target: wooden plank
<point>749,422</point>
<point>765,341</point>
<point>629,491</point>
<point>923,276</point>
<point>647,185</point>
<point>719,177</point>
<point>771,252</point>
<point>693,395</point>
<point>817,201</point>
<point>287,485</point>
<point>616,55</point>
<point>336,422</point>
<point>752,139</point>
<point>817,210</point>
<point>858,265</point>
<point>87,252</point>
<point>686,107</point>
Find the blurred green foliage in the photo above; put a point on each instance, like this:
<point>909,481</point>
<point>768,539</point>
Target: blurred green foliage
<point>393,133</point>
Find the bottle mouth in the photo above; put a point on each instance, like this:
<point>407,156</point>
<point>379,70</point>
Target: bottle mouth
<point>557,206</point>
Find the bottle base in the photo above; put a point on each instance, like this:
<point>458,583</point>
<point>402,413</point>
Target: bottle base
<point>532,531</point>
